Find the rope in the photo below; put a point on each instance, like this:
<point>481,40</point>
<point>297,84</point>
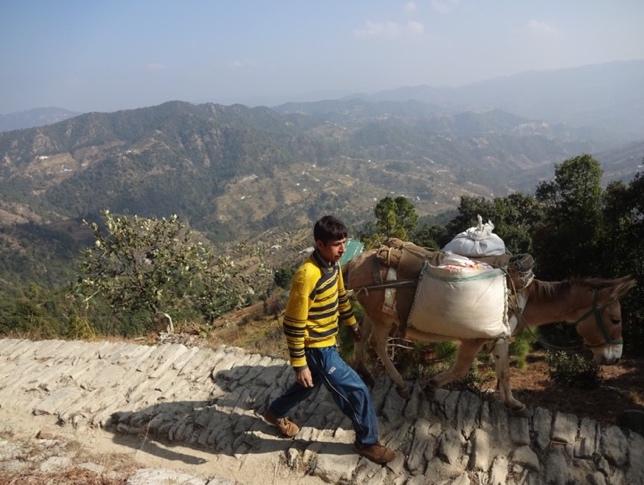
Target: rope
<point>523,262</point>
<point>518,311</point>
<point>382,286</point>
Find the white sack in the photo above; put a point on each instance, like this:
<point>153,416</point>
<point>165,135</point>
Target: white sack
<point>463,301</point>
<point>477,241</point>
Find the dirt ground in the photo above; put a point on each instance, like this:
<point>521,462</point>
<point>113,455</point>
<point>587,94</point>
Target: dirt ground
<point>621,388</point>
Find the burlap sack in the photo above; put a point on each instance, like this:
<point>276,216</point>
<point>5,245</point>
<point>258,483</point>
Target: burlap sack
<point>477,241</point>
<point>470,302</point>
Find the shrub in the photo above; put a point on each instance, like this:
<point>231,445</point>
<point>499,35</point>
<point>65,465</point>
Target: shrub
<point>521,346</point>
<point>423,361</point>
<point>80,328</point>
<point>445,350</point>
<point>572,369</point>
<point>144,266</point>
<point>283,276</point>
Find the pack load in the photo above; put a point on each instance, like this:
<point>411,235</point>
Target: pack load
<point>481,243</point>
<point>406,256</point>
<point>461,298</point>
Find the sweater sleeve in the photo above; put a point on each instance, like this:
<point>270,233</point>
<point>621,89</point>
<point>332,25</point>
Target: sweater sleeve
<point>344,304</point>
<point>296,315</point>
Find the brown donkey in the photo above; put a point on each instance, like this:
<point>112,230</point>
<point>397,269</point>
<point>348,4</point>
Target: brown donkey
<point>591,304</point>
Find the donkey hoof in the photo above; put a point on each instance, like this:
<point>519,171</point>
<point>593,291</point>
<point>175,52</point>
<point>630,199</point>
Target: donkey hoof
<point>518,409</point>
<point>428,387</point>
<point>403,391</point>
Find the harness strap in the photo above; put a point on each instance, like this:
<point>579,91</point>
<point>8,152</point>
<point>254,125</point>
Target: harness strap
<point>596,310</point>
<point>389,256</point>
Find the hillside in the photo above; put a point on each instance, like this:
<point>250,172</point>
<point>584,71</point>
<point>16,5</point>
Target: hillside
<point>183,158</point>
<point>233,172</point>
<point>624,161</point>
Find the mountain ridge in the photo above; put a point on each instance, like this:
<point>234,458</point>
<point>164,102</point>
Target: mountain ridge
<point>233,172</point>
<point>598,96</point>
<point>34,117</point>
<point>211,144</point>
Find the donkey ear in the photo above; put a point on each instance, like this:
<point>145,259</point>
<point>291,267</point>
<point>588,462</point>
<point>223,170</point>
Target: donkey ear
<point>623,286</point>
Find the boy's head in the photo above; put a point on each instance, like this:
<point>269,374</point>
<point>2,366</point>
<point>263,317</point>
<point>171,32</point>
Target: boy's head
<point>330,236</point>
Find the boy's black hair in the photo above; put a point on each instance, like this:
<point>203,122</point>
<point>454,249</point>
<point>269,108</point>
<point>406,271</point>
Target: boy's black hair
<point>329,229</point>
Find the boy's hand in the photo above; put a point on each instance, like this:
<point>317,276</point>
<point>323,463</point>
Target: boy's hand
<point>355,333</point>
<point>304,377</point>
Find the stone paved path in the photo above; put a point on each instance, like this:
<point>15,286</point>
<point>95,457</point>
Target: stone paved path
<point>209,400</point>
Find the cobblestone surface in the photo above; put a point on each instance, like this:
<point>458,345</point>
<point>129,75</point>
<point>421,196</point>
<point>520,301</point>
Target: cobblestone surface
<point>212,399</point>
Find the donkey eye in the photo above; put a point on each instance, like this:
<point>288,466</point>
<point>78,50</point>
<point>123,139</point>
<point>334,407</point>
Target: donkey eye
<point>616,321</point>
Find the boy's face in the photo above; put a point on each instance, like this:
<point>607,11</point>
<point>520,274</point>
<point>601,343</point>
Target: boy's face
<point>333,251</point>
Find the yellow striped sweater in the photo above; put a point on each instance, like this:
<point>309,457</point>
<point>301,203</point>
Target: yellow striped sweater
<point>316,303</point>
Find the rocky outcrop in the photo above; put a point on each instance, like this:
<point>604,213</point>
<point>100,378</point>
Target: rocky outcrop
<point>211,398</point>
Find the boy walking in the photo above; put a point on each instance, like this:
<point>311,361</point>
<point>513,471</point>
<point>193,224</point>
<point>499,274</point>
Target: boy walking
<point>317,303</point>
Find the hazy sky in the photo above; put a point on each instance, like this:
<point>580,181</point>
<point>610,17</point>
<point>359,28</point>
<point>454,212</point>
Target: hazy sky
<point>106,55</point>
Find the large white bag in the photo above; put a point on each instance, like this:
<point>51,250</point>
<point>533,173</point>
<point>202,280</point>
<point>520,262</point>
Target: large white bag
<point>461,298</point>
<point>477,241</point>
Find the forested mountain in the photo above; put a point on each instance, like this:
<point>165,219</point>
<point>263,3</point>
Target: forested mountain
<point>183,158</point>
<point>234,171</point>
<point>435,119</point>
<point>33,117</point>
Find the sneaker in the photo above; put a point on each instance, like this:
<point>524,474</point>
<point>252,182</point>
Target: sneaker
<point>377,453</point>
<point>286,427</point>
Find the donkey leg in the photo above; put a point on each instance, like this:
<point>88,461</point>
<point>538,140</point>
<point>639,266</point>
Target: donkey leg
<point>501,354</point>
<point>464,358</point>
<point>380,334</point>
<point>360,352</point>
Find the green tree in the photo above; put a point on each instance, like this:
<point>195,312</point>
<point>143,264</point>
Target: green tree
<point>568,242</point>
<point>515,218</point>
<point>283,277</point>
<point>146,267</point>
<point>429,236</point>
<point>624,227</point>
<point>624,252</point>
<point>395,217</point>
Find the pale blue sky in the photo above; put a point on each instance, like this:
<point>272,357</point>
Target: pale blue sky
<point>107,55</point>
